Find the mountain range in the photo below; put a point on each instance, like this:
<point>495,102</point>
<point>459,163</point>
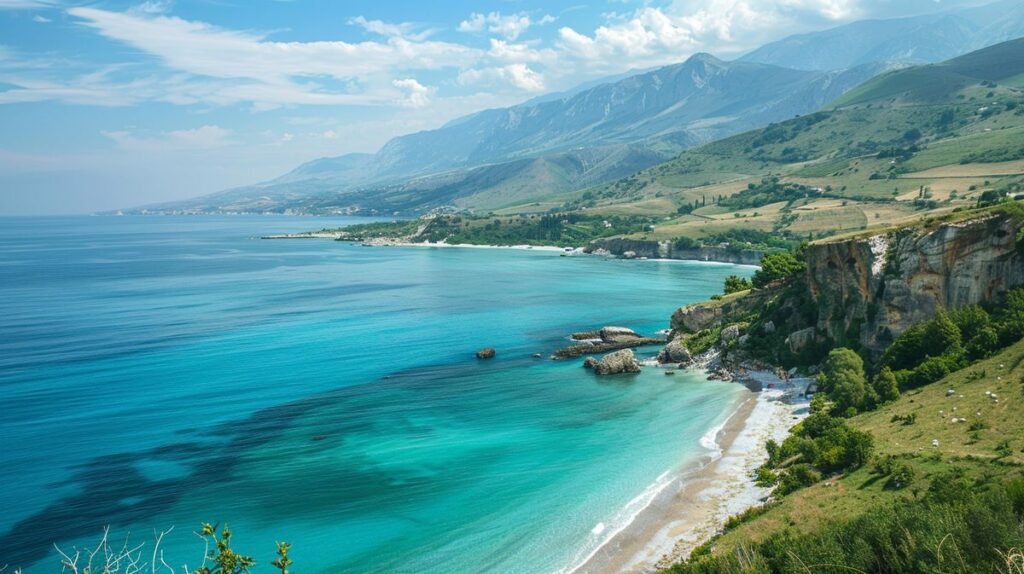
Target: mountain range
<point>594,134</point>
<point>915,40</point>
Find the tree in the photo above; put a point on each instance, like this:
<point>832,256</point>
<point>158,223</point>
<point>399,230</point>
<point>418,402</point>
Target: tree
<point>942,336</point>
<point>983,344</point>
<point>886,386</point>
<point>735,284</point>
<point>842,379</point>
<point>970,320</point>
<point>777,266</point>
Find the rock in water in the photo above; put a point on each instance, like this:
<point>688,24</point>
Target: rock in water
<point>486,353</point>
<point>623,361</point>
<point>589,363</point>
<point>617,334</point>
<point>674,352</point>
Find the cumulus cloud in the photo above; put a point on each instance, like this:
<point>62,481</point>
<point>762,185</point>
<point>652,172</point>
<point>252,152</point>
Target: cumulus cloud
<point>660,35</point>
<point>518,75</point>
<point>416,94</point>
<point>511,26</point>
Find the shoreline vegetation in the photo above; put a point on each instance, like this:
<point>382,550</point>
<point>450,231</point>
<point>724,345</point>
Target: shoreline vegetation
<point>613,247</point>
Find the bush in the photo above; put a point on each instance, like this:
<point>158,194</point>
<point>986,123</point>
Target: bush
<point>953,529</point>
<point>821,443</point>
<point>900,476</point>
<point>777,266</point>
<point>735,284</point>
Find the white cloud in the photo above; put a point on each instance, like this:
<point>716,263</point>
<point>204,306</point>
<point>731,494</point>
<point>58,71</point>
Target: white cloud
<point>24,4</point>
<point>653,36</point>
<point>417,95</point>
<point>231,66</point>
<point>153,7</point>
<point>41,19</point>
<point>511,26</point>
<point>387,29</point>
<point>518,75</point>
<point>330,135</point>
<point>201,138</point>
<point>509,52</point>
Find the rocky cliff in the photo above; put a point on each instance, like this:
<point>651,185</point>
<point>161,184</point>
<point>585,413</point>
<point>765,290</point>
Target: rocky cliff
<point>865,291</point>
<point>870,289</point>
<point>624,247</point>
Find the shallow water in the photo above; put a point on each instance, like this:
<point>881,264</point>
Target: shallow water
<point>171,370</point>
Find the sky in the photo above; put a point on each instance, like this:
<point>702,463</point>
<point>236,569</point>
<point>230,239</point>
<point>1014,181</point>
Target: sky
<point>111,104</point>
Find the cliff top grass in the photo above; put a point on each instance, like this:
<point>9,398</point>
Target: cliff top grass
<point>933,220</point>
<point>989,443</point>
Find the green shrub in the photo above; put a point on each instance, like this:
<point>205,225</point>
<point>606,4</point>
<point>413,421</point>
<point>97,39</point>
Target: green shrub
<point>777,266</point>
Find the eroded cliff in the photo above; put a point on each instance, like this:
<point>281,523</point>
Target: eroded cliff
<point>869,290</point>
<point>864,291</point>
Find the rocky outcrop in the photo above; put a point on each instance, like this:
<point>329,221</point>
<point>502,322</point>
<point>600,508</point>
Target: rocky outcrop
<point>800,340</point>
<point>606,339</point>
<point>869,290</point>
<point>709,314</point>
<point>486,353</point>
<point>617,334</point>
<point>631,248</point>
<point>675,352</point>
<point>623,361</point>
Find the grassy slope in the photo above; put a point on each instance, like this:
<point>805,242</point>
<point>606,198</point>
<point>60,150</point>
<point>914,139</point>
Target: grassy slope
<point>959,447</point>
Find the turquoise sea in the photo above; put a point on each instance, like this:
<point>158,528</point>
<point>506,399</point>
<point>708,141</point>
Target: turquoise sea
<point>167,371</point>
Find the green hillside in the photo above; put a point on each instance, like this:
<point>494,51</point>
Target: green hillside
<point>939,83</point>
<point>928,139</point>
<point>975,460</point>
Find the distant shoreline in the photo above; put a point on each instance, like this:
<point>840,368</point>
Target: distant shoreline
<point>376,242</point>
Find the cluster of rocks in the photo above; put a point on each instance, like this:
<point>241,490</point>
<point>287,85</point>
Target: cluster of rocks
<point>623,361</point>
<point>486,353</point>
<point>606,339</point>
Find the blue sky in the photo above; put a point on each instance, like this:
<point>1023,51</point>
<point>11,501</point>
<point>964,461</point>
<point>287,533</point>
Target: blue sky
<point>108,104</point>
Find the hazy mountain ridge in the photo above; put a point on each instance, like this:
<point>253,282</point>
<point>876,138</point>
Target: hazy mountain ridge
<point>643,119</point>
<point>918,40</point>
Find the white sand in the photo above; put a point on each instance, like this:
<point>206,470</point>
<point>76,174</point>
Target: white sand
<point>695,507</point>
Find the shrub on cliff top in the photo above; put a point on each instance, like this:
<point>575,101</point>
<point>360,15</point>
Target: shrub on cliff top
<point>776,267</point>
<point>735,284</point>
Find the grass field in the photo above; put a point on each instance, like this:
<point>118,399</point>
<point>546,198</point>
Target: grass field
<point>990,442</point>
<point>996,169</point>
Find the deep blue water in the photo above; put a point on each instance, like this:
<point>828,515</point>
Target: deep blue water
<point>170,370</point>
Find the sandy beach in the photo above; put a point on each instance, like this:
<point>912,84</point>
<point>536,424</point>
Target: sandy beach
<point>395,243</point>
<point>696,504</point>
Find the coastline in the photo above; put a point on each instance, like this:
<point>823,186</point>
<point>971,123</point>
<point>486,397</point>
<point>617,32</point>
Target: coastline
<point>397,243</point>
<point>441,244</point>
<point>695,504</point>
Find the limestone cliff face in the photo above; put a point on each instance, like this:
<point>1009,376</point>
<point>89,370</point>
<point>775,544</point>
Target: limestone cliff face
<point>708,314</point>
<point>869,290</point>
<point>668,250</point>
